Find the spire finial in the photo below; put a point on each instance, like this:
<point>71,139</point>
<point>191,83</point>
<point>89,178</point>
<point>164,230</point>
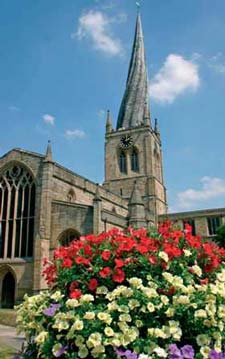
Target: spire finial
<point>138,4</point>
<point>48,155</point>
<point>108,122</point>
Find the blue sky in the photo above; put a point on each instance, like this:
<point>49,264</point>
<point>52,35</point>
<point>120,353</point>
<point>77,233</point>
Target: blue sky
<point>64,63</point>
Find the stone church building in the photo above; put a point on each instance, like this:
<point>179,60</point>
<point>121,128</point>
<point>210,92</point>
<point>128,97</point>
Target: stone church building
<point>44,205</point>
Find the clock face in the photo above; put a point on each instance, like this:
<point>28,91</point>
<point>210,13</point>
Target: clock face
<point>126,141</point>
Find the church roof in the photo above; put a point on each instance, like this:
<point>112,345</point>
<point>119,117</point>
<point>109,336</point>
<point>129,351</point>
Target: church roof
<point>134,110</point>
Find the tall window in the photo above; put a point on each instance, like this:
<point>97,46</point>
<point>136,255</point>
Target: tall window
<point>213,224</point>
<point>123,162</point>
<point>134,160</point>
<point>17,204</point>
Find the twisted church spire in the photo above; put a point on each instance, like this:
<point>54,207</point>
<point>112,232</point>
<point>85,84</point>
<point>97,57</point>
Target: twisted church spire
<point>134,110</point>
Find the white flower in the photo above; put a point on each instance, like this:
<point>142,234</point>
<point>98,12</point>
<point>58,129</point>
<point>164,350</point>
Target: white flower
<point>160,352</point>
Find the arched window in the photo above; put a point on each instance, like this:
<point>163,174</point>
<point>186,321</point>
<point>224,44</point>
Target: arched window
<point>134,160</point>
<point>123,162</point>
<point>17,204</point>
<point>68,236</point>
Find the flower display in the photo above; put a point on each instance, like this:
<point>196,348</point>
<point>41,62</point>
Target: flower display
<point>129,294</point>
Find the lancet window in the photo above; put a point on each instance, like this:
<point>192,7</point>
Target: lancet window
<point>123,162</point>
<point>134,160</point>
<point>17,207</point>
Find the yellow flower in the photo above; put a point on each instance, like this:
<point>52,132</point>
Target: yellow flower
<point>125,318</point>
<point>135,282</point>
<point>109,332</point>
<point>78,325</point>
<point>139,323</point>
<point>150,292</point>
<point>168,277</point>
<point>221,311</point>
<point>178,281</point>
<point>72,303</point>
<point>200,313</point>
<point>197,270</point>
<point>105,317</point>
<point>164,299</point>
<point>221,276</point>
<point>133,303</point>
<point>187,253</point>
<point>83,352</point>
<point>79,341</point>
<point>87,298</point>
<point>203,340</point>
<point>98,349</point>
<point>182,299</point>
<point>94,339</point>
<point>89,315</point>
<point>205,351</point>
<point>170,312</point>
<point>41,338</point>
<point>57,296</point>
<point>123,326</point>
<point>151,307</point>
<point>164,256</point>
<point>102,290</point>
<point>112,306</point>
<point>123,309</point>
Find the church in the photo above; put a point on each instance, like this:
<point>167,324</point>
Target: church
<point>44,205</point>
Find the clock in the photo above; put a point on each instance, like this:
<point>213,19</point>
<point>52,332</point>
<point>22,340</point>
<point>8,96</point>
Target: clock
<point>126,141</point>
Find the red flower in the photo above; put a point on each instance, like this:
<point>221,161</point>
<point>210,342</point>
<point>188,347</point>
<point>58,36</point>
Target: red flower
<point>76,294</point>
<point>82,260</point>
<point>105,272</point>
<point>88,250</point>
<point>204,281</point>
<point>118,276</point>
<point>142,249</point>
<point>153,260</point>
<point>92,285</point>
<point>67,263</point>
<point>119,263</point>
<point>74,285</point>
<point>106,254</point>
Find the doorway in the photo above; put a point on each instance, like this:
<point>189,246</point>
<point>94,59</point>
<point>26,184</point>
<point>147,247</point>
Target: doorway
<point>8,291</point>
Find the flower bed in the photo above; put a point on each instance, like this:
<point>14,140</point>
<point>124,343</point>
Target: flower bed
<point>130,295</point>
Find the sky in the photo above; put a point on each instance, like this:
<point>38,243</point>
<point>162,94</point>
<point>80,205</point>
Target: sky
<point>64,63</point>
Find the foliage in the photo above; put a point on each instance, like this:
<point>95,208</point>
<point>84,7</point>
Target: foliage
<point>220,236</point>
<point>130,295</point>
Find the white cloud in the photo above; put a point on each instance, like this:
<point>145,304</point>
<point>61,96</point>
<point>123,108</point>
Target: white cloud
<point>75,134</point>
<point>212,187</point>
<point>49,119</point>
<point>95,25</point>
<point>176,76</point>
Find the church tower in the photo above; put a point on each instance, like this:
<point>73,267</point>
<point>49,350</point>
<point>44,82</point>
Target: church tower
<point>133,155</point>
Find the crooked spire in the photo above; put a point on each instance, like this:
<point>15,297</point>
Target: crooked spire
<point>134,110</point>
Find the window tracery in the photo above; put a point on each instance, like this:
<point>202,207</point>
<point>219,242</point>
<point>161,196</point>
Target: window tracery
<point>123,162</point>
<point>134,160</point>
<point>17,207</point>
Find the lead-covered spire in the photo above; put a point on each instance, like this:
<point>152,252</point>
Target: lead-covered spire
<point>134,110</point>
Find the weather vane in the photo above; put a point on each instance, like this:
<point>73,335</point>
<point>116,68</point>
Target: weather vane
<point>138,4</point>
